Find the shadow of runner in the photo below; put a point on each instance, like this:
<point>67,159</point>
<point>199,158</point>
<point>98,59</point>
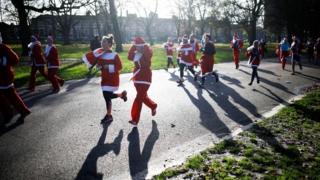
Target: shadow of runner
<point>88,170</point>
<point>208,116</point>
<point>221,96</point>
<point>263,70</point>
<point>266,81</point>
<point>138,161</point>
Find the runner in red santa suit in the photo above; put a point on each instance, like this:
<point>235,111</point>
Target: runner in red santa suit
<point>169,47</point>
<point>207,58</point>
<point>8,93</point>
<point>37,62</point>
<point>186,56</point>
<point>110,65</point>
<point>196,48</point>
<point>51,54</point>
<point>236,45</point>
<point>140,53</point>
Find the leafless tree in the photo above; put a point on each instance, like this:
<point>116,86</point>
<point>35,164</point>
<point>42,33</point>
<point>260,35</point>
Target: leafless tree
<point>246,13</point>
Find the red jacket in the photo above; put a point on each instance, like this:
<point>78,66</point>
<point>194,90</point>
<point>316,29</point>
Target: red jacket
<point>51,54</point>
<point>169,49</point>
<point>36,55</point>
<point>110,65</point>
<point>186,54</point>
<point>143,73</point>
<point>8,59</point>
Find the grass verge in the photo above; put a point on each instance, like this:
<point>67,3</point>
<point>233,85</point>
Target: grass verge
<point>285,146</point>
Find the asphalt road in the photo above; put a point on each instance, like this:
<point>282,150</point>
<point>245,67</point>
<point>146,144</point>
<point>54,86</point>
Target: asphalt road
<point>63,138</point>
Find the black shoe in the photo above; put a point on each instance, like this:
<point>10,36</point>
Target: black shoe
<point>250,84</point>
<point>258,81</point>
<point>61,82</point>
<point>217,77</point>
<point>107,119</point>
<point>124,96</point>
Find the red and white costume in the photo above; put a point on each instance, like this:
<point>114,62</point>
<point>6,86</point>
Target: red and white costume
<point>186,54</point>
<point>51,54</point>
<point>236,45</point>
<point>196,48</point>
<point>8,59</point>
<point>110,65</point>
<point>37,62</point>
<point>169,47</point>
<point>142,77</point>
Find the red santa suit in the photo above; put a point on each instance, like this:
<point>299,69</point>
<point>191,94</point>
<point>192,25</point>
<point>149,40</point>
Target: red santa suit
<point>8,93</point>
<point>37,62</point>
<point>195,47</point>
<point>51,54</point>
<point>254,61</point>
<point>186,55</point>
<point>142,76</point>
<point>236,45</point>
<point>169,46</point>
<point>110,65</point>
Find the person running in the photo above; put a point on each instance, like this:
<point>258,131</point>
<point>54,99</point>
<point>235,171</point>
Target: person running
<point>236,45</point>
<point>37,62</point>
<point>8,93</point>
<point>207,58</point>
<point>186,55</point>
<point>140,53</point>
<point>254,60</point>
<point>51,54</point>
<point>110,66</point>
<point>169,47</point>
<point>295,49</point>
<point>284,51</point>
<point>195,47</point>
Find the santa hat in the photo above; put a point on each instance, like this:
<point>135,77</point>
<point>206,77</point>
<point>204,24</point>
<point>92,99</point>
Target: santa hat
<point>138,41</point>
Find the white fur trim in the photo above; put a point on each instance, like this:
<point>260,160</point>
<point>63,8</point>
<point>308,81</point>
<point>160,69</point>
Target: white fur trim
<point>142,82</point>
<point>6,87</point>
<point>98,52</point>
<point>85,60</point>
<point>109,88</point>
<point>47,50</point>
<point>52,67</point>
<point>139,45</point>
<point>108,56</point>
<point>184,62</point>
<point>169,56</point>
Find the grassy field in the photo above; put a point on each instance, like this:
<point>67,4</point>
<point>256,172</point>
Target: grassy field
<point>285,146</point>
<point>75,70</point>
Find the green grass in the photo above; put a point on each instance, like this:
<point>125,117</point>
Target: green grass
<point>263,152</point>
<point>75,70</point>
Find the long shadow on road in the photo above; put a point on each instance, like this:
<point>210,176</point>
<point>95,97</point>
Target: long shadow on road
<point>88,170</point>
<point>208,115</point>
<point>273,84</point>
<point>138,161</point>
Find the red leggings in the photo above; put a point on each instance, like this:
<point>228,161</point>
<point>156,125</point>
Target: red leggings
<point>11,96</point>
<point>142,97</point>
<point>34,69</point>
<point>54,78</point>
<point>236,54</point>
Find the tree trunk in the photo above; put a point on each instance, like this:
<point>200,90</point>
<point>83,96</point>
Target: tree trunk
<point>116,29</point>
<point>24,29</point>
<point>148,29</point>
<point>253,31</point>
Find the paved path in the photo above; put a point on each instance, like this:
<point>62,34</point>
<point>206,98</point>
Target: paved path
<point>63,138</point>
